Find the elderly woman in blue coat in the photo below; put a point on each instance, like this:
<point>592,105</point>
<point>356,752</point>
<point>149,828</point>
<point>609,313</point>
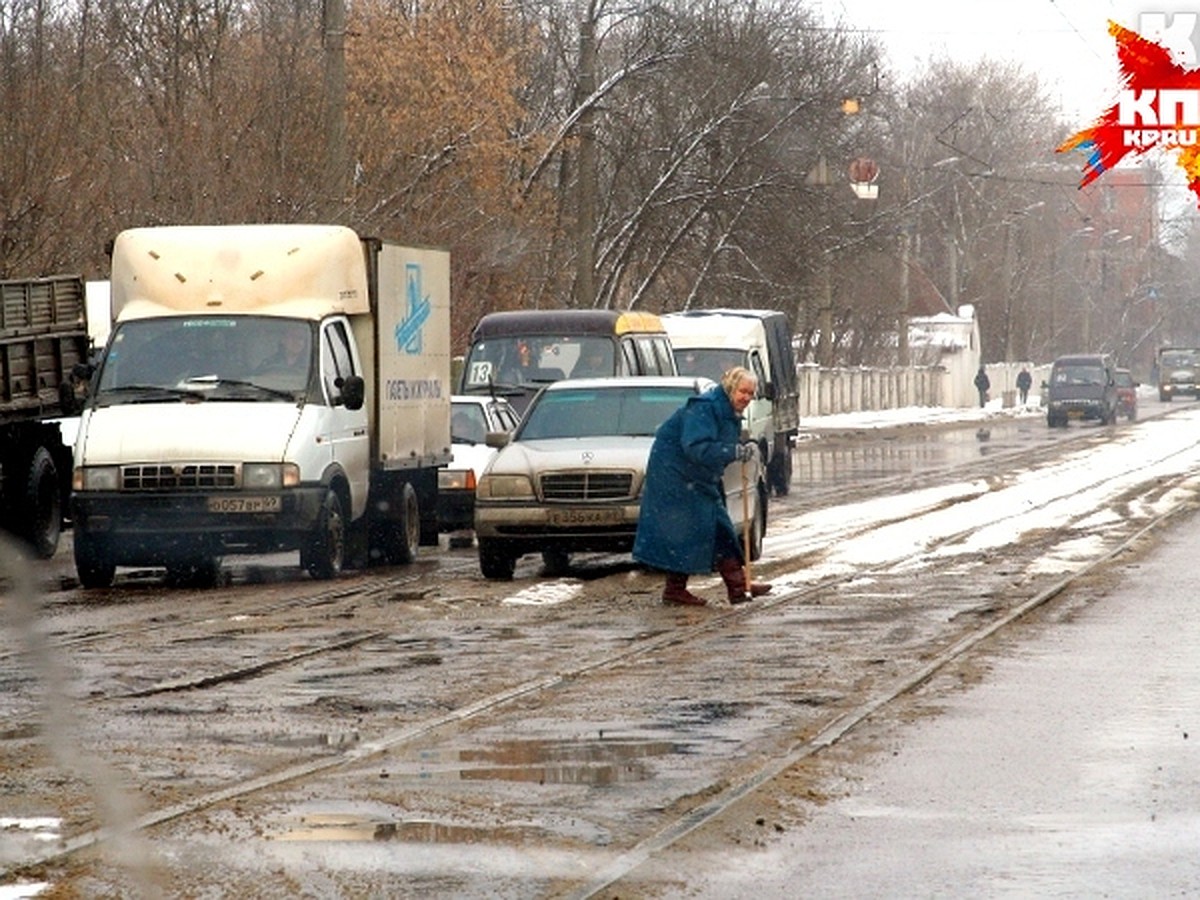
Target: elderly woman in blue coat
<point>683,526</point>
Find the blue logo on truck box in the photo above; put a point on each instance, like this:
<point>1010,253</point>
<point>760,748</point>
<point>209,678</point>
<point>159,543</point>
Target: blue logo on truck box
<point>408,329</point>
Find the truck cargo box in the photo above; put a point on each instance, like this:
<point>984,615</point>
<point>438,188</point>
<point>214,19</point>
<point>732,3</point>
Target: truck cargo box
<point>43,335</point>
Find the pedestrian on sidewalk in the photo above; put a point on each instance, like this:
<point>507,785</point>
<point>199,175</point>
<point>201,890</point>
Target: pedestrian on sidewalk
<point>1024,383</point>
<point>683,526</point>
<point>982,384</point>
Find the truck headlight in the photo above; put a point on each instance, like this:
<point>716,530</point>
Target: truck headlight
<point>505,487</point>
<point>269,476</point>
<point>96,478</point>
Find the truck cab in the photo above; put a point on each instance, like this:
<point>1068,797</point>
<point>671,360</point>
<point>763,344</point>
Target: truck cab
<point>264,388</point>
<point>708,342</point>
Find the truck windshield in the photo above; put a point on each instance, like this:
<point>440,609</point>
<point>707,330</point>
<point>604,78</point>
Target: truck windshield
<point>708,362</point>
<point>207,357</point>
<point>1178,359</point>
<point>530,361</point>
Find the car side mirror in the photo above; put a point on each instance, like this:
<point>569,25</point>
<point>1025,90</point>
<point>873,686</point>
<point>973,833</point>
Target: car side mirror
<point>497,439</point>
<point>354,391</point>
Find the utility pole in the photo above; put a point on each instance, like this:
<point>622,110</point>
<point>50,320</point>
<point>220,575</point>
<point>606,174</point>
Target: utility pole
<point>819,177</point>
<point>333,42</point>
<point>902,354</point>
<point>585,223</point>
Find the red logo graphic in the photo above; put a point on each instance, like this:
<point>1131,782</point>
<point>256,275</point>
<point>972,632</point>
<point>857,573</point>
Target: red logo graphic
<point>1158,107</point>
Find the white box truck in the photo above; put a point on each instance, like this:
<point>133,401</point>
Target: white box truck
<point>709,342</point>
<point>264,388</point>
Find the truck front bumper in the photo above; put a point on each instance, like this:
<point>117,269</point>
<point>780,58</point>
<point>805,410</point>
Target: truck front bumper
<point>153,528</point>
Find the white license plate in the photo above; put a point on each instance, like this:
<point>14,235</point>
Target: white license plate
<point>574,516</point>
<point>244,504</point>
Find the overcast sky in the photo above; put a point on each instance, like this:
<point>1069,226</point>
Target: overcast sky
<point>1065,42</point>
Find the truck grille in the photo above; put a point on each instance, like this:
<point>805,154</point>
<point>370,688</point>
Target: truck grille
<point>587,485</point>
<point>166,478</point>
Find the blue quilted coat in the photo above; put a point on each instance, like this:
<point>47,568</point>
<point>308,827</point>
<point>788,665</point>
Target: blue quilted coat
<point>683,514</point>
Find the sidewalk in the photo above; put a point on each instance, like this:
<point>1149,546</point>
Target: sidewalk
<point>1069,770</point>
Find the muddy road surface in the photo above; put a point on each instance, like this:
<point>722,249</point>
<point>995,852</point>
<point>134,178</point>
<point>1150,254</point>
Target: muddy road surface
<point>421,731</point>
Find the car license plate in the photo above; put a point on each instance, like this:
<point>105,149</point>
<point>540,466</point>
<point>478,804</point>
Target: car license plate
<point>243,504</point>
<point>576,516</point>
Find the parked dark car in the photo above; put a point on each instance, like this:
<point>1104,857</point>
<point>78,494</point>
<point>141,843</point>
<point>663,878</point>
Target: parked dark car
<point>1126,394</point>
<point>1082,387</point>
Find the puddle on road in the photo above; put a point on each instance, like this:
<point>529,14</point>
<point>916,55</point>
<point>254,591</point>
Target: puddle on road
<point>599,762</point>
<point>351,827</point>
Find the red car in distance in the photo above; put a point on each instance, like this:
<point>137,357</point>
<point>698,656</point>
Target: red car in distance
<point>1126,394</point>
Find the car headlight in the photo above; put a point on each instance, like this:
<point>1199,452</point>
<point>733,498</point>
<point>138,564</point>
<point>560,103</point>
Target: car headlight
<point>269,476</point>
<point>96,478</point>
<point>456,479</point>
<point>505,487</point>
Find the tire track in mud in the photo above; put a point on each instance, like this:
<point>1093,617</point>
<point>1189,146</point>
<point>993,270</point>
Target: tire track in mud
<point>825,600</point>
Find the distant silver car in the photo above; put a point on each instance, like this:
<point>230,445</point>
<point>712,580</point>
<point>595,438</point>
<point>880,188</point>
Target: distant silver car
<point>570,479</point>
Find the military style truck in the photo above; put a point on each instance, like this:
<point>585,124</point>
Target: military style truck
<point>264,388</point>
<point>44,347</point>
<point>1178,372</point>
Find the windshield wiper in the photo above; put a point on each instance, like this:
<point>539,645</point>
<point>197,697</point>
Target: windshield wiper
<point>214,381</point>
<point>146,393</point>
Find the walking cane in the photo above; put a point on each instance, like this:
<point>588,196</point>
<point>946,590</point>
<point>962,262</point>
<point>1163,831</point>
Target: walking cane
<point>746,524</point>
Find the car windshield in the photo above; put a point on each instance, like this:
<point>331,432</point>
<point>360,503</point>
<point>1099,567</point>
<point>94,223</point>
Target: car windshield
<point>1082,374</point>
<point>209,357</point>
<point>468,424</point>
<point>1124,379</point>
<point>535,360</point>
<point>578,413</point>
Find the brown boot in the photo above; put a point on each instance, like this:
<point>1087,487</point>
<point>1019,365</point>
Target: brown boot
<point>734,577</point>
<point>676,591</point>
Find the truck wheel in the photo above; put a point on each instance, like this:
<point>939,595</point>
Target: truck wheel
<point>93,562</point>
<point>779,470</point>
<point>398,536</point>
<point>495,560</point>
<point>325,550</point>
<point>43,504</point>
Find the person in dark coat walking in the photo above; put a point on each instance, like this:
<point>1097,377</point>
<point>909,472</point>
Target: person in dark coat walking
<point>683,526</point>
<point>982,383</point>
<point>1024,383</point>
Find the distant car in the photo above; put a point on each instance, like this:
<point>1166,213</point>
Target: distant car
<point>471,420</point>
<point>1126,394</point>
<point>1082,387</point>
<point>570,479</point>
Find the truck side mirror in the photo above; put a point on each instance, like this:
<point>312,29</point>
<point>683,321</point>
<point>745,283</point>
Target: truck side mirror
<point>768,391</point>
<point>354,391</point>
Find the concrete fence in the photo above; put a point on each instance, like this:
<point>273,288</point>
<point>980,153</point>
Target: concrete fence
<point>825,392</point>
